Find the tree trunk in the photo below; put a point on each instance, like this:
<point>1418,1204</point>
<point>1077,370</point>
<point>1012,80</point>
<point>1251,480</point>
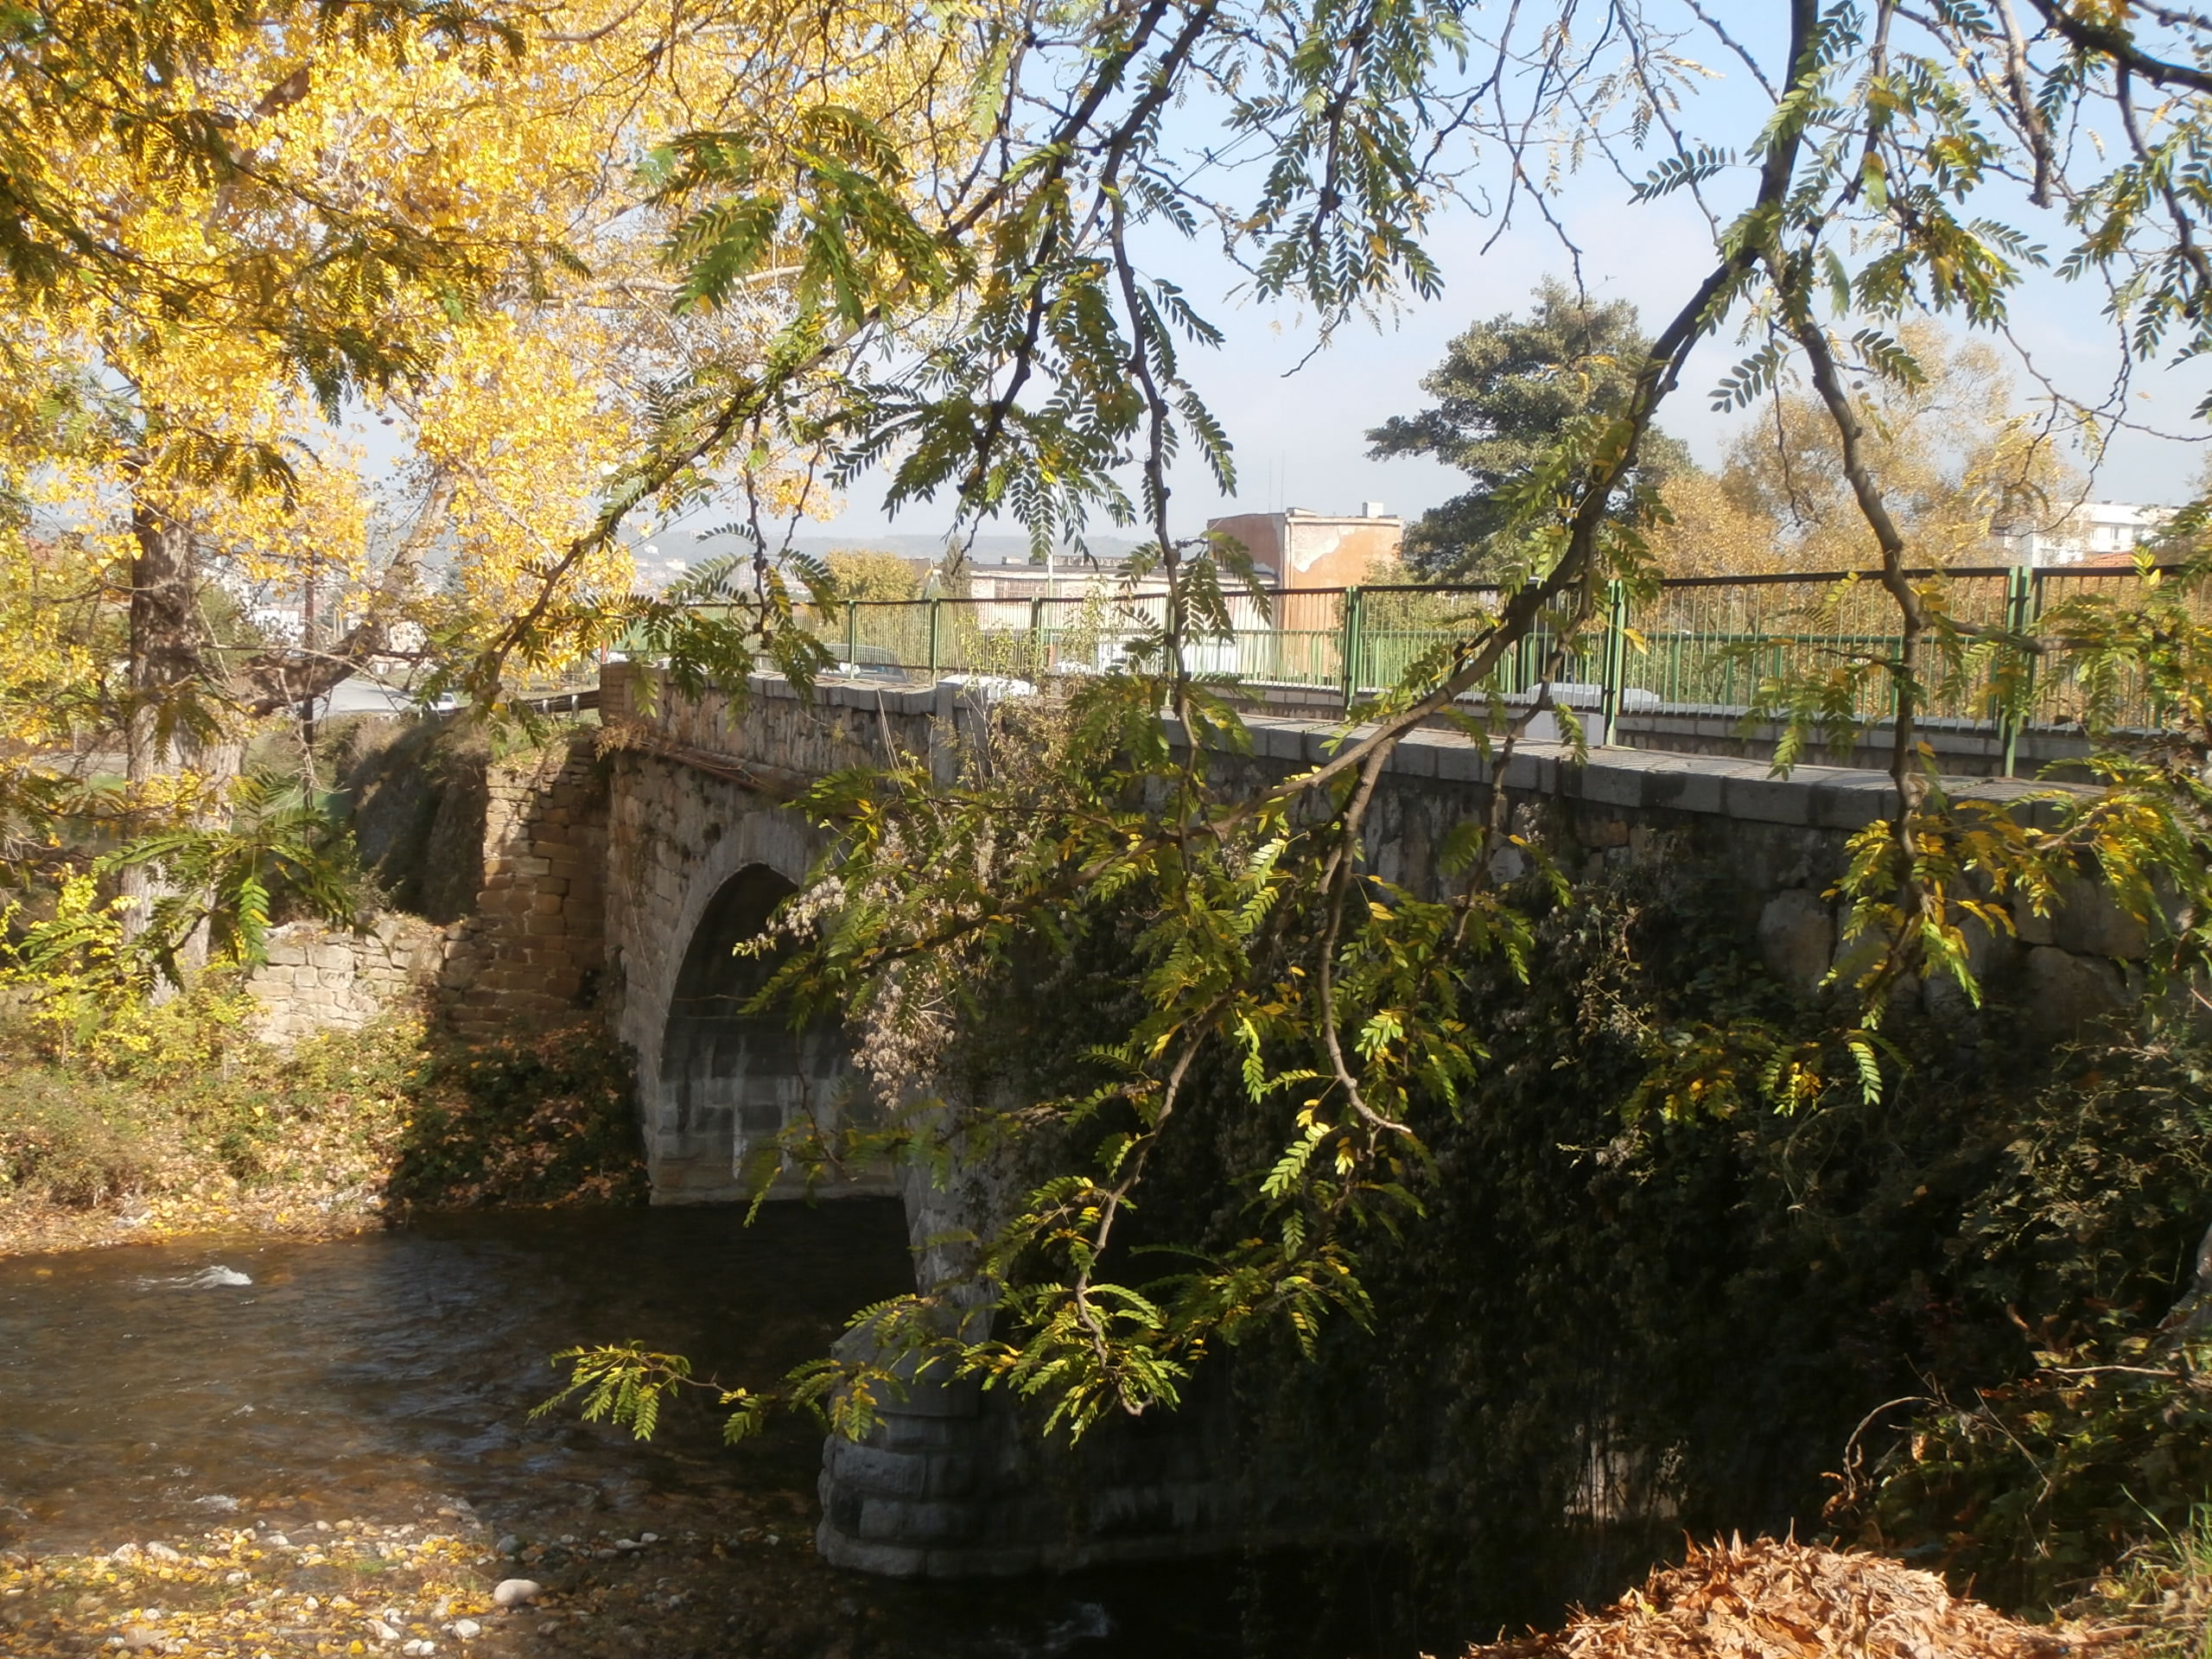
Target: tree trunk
<point>164,658</point>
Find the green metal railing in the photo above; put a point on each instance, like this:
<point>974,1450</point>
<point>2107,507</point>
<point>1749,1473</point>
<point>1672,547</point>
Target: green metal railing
<point>1702,643</point>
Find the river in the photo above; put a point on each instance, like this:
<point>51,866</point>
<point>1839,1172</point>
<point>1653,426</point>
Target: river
<point>384,1382</point>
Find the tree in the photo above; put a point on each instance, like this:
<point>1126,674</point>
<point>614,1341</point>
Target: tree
<point>451,206</point>
<point>860,573</point>
<point>1257,955</point>
<point>1961,466</point>
<point>1505,390</point>
<point>1958,461</point>
<point>1709,529</point>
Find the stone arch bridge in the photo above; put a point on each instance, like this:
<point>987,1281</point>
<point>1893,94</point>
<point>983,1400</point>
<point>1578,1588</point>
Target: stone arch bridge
<point>623,876</point>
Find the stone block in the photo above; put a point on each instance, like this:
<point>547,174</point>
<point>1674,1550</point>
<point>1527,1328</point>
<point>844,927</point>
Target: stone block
<point>1535,772</point>
<point>2066,993</point>
<point>1797,938</point>
<point>1277,740</point>
<point>2031,928</point>
<point>2090,922</point>
<point>1458,761</point>
<point>1692,787</point>
<point>1768,800</point>
<point>1608,782</point>
<point>924,1523</point>
<point>1850,800</point>
<point>1602,832</point>
<point>1414,756</point>
<point>872,1471</point>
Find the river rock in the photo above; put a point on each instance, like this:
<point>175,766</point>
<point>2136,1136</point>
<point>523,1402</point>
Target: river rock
<point>164,1554</point>
<point>467,1629</point>
<point>513,1593</point>
<point>508,1545</point>
<point>139,1637</point>
<point>382,1631</point>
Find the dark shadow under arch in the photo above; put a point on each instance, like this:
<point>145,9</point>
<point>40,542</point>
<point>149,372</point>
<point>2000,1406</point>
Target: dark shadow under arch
<point>732,1081</point>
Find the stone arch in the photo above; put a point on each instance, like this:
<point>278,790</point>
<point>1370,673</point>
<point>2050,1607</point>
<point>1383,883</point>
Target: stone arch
<point>726,1082</point>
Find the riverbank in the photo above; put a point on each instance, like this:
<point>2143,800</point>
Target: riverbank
<point>203,1130</point>
<point>277,1586</point>
<point>271,1588</point>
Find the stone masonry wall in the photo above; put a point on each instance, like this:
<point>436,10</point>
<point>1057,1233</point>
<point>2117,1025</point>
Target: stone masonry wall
<point>535,949</point>
<point>317,979</point>
<point>1784,840</point>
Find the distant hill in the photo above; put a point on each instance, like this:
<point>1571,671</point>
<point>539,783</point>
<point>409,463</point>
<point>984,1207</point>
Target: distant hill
<point>986,550</point>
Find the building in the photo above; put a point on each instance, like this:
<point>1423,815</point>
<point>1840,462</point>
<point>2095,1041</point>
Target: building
<point>2102,531</point>
<point>1297,548</point>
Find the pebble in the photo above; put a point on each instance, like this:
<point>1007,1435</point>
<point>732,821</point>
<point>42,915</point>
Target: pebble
<point>418,1647</point>
<point>649,1537</point>
<point>382,1631</point>
<point>139,1637</point>
<point>163,1554</point>
<point>467,1629</point>
<point>513,1593</point>
<point>508,1545</point>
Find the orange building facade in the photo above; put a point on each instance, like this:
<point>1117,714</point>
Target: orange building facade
<point>1298,550</point>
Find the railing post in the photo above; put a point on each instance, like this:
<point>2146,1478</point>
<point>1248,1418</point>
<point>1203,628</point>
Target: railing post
<point>852,637</point>
<point>935,605</point>
<point>1527,653</point>
<point>1350,651</point>
<point>1613,665</point>
<point>1037,638</point>
<point>2022,605</point>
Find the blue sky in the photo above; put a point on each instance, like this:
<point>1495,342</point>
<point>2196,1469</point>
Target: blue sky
<point>1300,436</point>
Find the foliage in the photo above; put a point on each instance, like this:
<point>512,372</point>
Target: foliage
<point>428,213</point>
<point>1707,530</point>
<point>541,1120</point>
<point>90,967</point>
<point>861,575</point>
<point>1505,390</point>
<point>2160,1595</point>
<point>176,1107</point>
<point>2036,1484</point>
<point>1961,466</point>
<point>1753,1599</point>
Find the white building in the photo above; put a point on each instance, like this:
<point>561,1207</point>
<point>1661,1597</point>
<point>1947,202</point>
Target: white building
<point>2091,530</point>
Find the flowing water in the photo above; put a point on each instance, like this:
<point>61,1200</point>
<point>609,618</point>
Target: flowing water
<point>147,1392</point>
